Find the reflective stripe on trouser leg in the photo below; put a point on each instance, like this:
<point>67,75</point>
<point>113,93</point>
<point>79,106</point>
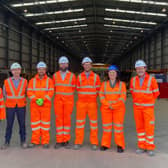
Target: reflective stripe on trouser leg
<point>107,126</point>
<point>58,106</point>
<point>35,123</point>
<point>45,124</point>
<point>92,113</point>
<point>149,119</point>
<point>68,108</point>
<point>140,126</point>
<point>81,108</point>
<point>118,125</point>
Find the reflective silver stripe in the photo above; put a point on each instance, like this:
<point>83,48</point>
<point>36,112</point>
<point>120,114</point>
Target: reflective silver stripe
<point>107,130</point>
<point>141,139</point>
<point>156,90</point>
<point>10,86</point>
<point>108,92</point>
<point>118,125</point>
<point>93,127</point>
<point>113,101</point>
<point>152,122</point>
<point>80,121</point>
<point>32,96</point>
<point>149,142</point>
<point>2,106</point>
<point>37,128</point>
<point>48,97</point>
<point>17,97</point>
<point>23,81</point>
<point>122,99</point>
<point>102,97</point>
<point>1,99</point>
<point>93,121</point>
<point>63,132</point>
<point>61,84</point>
<point>86,87</point>
<point>80,79</point>
<point>41,89</point>
<point>95,76</point>
<point>141,134</point>
<point>45,123</point>
<point>59,128</point>
<point>81,126</point>
<point>63,93</point>
<point>142,91</point>
<point>35,123</point>
<point>134,83</point>
<point>106,125</point>
<point>46,129</point>
<point>143,104</point>
<point>88,93</point>
<point>70,80</point>
<point>118,131</point>
<point>97,86</point>
<point>101,92</point>
<point>150,137</point>
<point>67,128</point>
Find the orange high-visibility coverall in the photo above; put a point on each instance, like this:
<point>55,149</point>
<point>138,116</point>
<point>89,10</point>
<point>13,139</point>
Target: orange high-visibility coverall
<point>40,115</point>
<point>113,111</point>
<point>63,104</point>
<point>2,106</point>
<point>87,89</point>
<point>144,99</point>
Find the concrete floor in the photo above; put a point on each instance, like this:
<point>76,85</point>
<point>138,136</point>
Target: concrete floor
<point>62,158</point>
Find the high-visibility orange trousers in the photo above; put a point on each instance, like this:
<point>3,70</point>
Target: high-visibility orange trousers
<point>40,123</point>
<point>84,108</point>
<point>115,119</point>
<point>63,111</point>
<point>145,125</point>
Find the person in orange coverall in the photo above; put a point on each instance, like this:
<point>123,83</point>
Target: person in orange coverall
<point>65,84</point>
<point>88,85</point>
<point>112,97</point>
<point>144,89</point>
<point>40,92</point>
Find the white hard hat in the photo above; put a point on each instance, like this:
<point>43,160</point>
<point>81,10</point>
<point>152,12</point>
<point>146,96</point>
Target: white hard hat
<point>63,60</point>
<point>86,59</point>
<point>140,63</point>
<point>41,64</point>
<point>15,66</point>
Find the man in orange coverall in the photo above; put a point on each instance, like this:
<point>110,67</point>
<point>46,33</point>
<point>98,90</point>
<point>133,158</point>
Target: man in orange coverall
<point>88,85</point>
<point>40,92</point>
<point>144,89</point>
<point>65,83</point>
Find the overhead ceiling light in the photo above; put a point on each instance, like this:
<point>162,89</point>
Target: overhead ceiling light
<point>164,10</point>
<point>79,30</point>
<point>25,10</point>
<point>130,21</point>
<point>60,21</point>
<point>53,13</point>
<point>142,31</point>
<point>135,12</point>
<point>66,27</point>
<point>126,27</point>
<point>146,2</point>
<point>16,5</point>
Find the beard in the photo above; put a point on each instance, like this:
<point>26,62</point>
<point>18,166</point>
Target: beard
<point>63,69</point>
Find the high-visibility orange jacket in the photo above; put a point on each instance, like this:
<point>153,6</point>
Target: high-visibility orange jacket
<point>38,88</point>
<point>146,94</point>
<point>64,89</point>
<point>88,88</point>
<point>113,97</point>
<point>15,96</point>
<point>2,106</point>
